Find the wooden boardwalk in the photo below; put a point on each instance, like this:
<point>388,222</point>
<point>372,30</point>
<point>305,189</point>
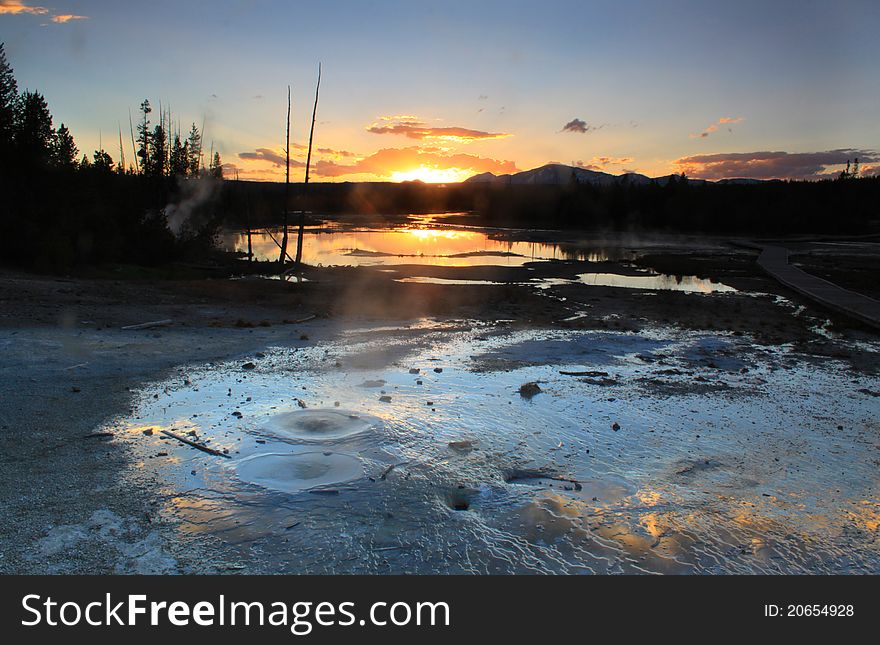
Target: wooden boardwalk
<point>774,260</point>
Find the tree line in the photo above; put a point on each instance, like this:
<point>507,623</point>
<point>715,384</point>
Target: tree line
<point>62,208</point>
<point>29,140</point>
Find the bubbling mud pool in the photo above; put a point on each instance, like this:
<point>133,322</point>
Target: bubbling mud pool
<point>657,452</point>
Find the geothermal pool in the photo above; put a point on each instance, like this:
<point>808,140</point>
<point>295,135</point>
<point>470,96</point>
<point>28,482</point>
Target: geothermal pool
<point>411,449</point>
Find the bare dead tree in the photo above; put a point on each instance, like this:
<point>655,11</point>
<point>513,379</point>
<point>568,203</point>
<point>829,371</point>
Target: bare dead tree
<point>121,150</point>
<point>302,213</point>
<point>283,255</point>
<point>133,147</point>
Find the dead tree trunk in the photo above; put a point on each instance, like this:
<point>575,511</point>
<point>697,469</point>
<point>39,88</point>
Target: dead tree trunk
<point>302,213</point>
<point>283,255</point>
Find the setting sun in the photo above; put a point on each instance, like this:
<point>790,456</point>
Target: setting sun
<point>432,175</point>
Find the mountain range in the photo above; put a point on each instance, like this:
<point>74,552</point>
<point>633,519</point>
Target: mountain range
<point>557,174</point>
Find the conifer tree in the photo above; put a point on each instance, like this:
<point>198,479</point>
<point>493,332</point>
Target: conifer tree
<point>64,150</point>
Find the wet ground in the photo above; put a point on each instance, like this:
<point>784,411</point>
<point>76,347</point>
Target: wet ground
<point>412,449</point>
<point>662,408</point>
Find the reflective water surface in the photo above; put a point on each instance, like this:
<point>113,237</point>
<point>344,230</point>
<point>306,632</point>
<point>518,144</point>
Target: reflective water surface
<point>414,244</point>
<point>411,449</point>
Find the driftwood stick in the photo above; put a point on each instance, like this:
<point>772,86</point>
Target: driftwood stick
<point>148,325</point>
<point>196,444</point>
<point>277,243</point>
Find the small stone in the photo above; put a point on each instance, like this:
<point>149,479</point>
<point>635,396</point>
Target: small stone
<point>248,366</point>
<point>414,370</point>
<point>385,399</point>
<point>528,390</point>
<point>615,426</point>
<point>438,369</point>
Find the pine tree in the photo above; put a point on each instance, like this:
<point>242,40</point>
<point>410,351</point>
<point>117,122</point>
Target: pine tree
<point>144,137</point>
<point>8,104</point>
<point>84,163</point>
<point>179,159</point>
<point>103,161</point>
<point>194,143</point>
<point>34,134</point>
<point>216,169</point>
<point>157,166</point>
<point>64,150</point>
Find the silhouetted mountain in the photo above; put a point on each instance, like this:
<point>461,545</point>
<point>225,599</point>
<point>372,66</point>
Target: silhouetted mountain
<point>552,173</point>
<point>560,174</point>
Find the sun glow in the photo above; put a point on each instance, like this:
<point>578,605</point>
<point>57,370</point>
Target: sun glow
<point>432,175</point>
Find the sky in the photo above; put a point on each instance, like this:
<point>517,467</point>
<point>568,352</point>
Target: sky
<point>442,91</point>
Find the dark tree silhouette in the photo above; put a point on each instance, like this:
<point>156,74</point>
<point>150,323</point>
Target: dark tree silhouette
<point>179,161</point>
<point>8,105</point>
<point>302,214</point>
<point>158,156</point>
<point>143,128</point>
<point>103,161</point>
<point>64,150</point>
<point>282,256</point>
<point>194,151</point>
<point>216,169</point>
<point>34,135</point>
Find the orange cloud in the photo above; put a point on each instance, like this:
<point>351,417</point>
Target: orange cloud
<point>389,162</point>
<point>725,120</point>
<point>412,128</point>
<point>67,17</point>
<point>14,7</point>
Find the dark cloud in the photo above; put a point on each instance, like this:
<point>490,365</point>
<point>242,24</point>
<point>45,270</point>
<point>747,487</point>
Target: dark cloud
<point>771,165</point>
<point>577,125</point>
<point>389,160</point>
<point>414,129</point>
<point>276,158</point>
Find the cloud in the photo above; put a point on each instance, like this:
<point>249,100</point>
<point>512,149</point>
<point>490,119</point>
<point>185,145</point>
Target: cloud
<point>413,128</point>
<point>276,158</point>
<point>607,161</point>
<point>577,125</point>
<point>67,17</point>
<point>385,162</point>
<point>725,120</point>
<point>771,165</point>
<point>14,7</point>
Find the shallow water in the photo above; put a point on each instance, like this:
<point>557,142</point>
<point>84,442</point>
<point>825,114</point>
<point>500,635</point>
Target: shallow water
<point>661,452</point>
<point>416,244</point>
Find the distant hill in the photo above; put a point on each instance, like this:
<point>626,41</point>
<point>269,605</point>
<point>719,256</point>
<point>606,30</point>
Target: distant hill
<point>560,174</point>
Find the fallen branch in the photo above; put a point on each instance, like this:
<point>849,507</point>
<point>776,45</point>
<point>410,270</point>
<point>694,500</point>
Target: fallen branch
<point>196,444</point>
<point>148,325</point>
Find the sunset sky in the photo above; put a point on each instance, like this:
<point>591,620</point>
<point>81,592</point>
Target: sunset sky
<point>442,91</point>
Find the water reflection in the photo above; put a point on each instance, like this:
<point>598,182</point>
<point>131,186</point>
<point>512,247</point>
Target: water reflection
<point>463,475</point>
<point>663,282</point>
<point>438,246</point>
